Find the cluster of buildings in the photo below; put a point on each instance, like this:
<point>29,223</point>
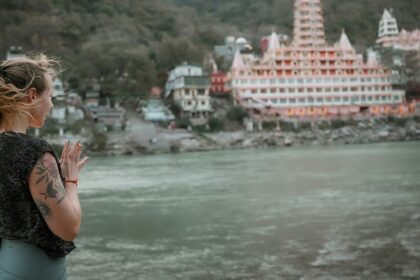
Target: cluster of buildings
<point>304,78</point>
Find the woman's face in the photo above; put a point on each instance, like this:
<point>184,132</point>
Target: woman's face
<point>43,105</point>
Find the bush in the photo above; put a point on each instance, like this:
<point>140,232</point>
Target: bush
<point>216,124</point>
<point>305,125</point>
<point>287,126</point>
<point>269,126</point>
<point>237,113</point>
<point>352,122</point>
<point>324,125</point>
<point>175,108</point>
<point>397,121</point>
<point>99,140</point>
<point>337,124</point>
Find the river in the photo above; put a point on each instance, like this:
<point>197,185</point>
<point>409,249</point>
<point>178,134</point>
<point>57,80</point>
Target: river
<point>337,212</point>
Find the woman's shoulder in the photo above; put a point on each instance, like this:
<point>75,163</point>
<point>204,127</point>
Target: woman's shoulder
<point>23,141</point>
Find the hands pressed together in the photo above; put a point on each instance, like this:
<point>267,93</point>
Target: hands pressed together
<point>70,161</point>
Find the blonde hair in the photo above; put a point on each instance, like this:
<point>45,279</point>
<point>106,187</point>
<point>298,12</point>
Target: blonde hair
<point>17,76</point>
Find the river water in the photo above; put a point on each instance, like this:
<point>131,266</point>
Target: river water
<point>342,212</point>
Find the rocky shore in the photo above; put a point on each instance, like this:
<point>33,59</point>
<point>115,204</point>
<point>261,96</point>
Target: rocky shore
<point>169,141</point>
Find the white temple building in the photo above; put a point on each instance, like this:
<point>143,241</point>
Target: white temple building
<point>390,37</point>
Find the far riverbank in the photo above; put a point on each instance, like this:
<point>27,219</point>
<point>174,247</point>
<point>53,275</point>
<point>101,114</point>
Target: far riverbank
<point>315,134</point>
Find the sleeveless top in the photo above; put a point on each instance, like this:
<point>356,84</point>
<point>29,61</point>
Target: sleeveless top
<point>20,218</point>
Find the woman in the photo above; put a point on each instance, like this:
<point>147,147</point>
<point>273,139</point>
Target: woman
<point>40,212</point>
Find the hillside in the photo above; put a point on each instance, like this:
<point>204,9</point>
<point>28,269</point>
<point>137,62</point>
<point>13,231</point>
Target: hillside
<point>129,45</point>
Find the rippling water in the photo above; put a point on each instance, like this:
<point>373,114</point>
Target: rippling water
<point>349,212</point>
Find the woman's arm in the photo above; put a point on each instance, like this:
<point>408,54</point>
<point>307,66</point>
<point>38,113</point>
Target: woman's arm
<point>59,204</point>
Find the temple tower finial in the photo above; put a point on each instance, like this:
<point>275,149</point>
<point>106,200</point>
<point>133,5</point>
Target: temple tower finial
<point>388,25</point>
<point>308,24</point>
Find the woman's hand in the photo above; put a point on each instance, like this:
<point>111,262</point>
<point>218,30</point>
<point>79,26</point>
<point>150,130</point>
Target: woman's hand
<point>70,161</point>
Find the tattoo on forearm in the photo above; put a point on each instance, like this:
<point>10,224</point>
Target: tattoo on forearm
<point>43,208</point>
<point>48,172</point>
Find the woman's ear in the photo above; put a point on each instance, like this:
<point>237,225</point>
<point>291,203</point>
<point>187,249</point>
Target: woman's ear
<point>31,94</point>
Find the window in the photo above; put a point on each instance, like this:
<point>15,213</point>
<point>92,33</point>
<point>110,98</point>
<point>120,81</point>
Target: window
<point>292,100</point>
<point>319,100</point>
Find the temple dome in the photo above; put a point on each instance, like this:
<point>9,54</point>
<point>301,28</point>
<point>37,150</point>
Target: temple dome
<point>241,40</point>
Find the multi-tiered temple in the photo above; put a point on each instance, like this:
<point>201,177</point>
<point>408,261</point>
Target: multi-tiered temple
<point>310,78</point>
